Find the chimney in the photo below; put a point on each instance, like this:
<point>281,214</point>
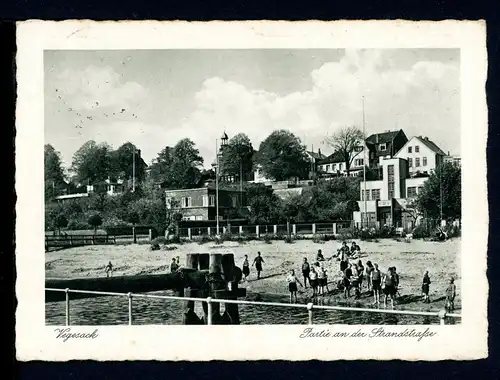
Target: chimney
<point>448,153</point>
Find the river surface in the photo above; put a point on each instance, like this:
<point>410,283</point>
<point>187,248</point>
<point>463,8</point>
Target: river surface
<point>148,311</point>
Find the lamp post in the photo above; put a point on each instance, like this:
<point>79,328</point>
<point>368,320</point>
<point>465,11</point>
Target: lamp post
<point>216,168</point>
<point>364,165</point>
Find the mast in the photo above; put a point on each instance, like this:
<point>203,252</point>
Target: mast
<point>217,184</point>
<point>133,170</point>
<point>364,163</point>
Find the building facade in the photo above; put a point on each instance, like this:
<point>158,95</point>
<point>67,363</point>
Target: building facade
<point>423,155</point>
<point>388,201</point>
<point>200,203</point>
<point>384,145</point>
<point>335,166</point>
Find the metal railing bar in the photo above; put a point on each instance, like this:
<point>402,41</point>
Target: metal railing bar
<point>260,303</point>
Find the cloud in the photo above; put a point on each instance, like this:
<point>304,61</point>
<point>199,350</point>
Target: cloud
<point>83,89</point>
<point>420,99</point>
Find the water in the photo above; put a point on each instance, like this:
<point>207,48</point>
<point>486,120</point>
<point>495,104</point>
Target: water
<point>150,311</point>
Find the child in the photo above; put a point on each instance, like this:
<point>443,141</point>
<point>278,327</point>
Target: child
<point>258,261</point>
<point>368,271</point>
<point>426,281</point>
<point>246,268</point>
<point>319,256</point>
<point>292,285</point>
<point>306,269</point>
<point>389,287</point>
<point>321,279</point>
<point>109,269</point>
<point>313,281</point>
<point>376,283</point>
<point>451,291</point>
<point>174,266</point>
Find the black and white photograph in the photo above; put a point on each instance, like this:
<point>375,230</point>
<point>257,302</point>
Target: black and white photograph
<point>254,186</point>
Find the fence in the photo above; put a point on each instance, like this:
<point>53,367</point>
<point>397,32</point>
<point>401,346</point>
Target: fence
<point>67,241</point>
<point>333,228</point>
<point>442,315</point>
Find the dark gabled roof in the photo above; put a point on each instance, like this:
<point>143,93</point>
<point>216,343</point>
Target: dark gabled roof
<point>332,158</point>
<point>431,145</point>
<point>383,138</point>
<point>316,155</point>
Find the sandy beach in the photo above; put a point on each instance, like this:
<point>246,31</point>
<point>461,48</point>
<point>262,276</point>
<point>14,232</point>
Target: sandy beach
<point>441,259</point>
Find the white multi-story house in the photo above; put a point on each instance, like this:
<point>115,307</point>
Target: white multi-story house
<point>422,154</point>
<point>388,201</point>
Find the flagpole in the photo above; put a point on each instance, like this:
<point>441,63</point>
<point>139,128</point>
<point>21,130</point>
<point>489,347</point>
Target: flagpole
<point>133,171</point>
<point>217,184</point>
<point>364,163</point>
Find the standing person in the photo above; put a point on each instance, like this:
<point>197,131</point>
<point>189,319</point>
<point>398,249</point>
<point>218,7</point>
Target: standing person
<point>361,272</point>
<point>109,270</point>
<point>389,288</point>
<point>174,266</point>
<point>368,271</point>
<point>451,292</point>
<point>347,281</point>
<point>325,276</point>
<point>246,268</point>
<point>258,261</point>
<point>355,281</point>
<point>292,285</point>
<point>376,280</point>
<point>396,280</point>
<point>313,281</point>
<point>426,281</point>
<point>306,269</point>
<point>321,279</point>
<point>178,262</point>
<point>344,257</point>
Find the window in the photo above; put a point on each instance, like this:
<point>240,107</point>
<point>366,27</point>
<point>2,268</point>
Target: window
<point>417,162</point>
<point>168,201</point>
<point>409,149</point>
<point>327,168</point>
<point>205,201</point>
<point>410,162</point>
<point>412,192</point>
<point>391,190</point>
<point>424,161</point>
<point>367,195</point>
<point>211,200</point>
<point>235,200</point>
<point>358,162</point>
<point>199,217</point>
<point>186,202</point>
<point>375,194</point>
<point>382,147</point>
<point>417,149</point>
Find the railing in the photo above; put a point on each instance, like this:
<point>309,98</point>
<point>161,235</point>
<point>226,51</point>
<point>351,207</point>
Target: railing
<point>442,315</point>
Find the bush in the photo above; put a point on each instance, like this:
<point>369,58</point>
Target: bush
<point>77,225</point>
<point>288,240</point>
<point>267,238</point>
<point>421,232</point>
<point>160,240</point>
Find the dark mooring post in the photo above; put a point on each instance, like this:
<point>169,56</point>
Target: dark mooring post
<point>190,317</point>
<point>232,277</point>
<point>203,261</point>
<point>215,283</point>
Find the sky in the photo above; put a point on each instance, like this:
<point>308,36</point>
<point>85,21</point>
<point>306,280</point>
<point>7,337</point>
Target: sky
<point>154,98</point>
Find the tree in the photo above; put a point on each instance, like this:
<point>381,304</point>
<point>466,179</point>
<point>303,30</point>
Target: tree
<point>92,162</point>
<point>161,165</point>
<point>95,221</point>
<point>184,170</point>
<point>237,156</point>
<point>263,204</point>
<point>122,162</point>
<point>53,171</point>
<point>281,156</point>
<point>133,217</point>
<point>346,142</point>
<point>441,195</point>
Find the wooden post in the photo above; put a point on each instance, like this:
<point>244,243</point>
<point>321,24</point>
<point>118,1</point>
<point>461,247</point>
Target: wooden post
<point>189,233</point>
<point>257,232</point>
<point>208,231</point>
<point>203,261</point>
<point>241,230</point>
<point>189,317</point>
<point>67,307</point>
<point>150,235</point>
<point>334,226</point>
<point>294,229</point>
<point>192,260</point>
<point>232,276</point>
<point>129,295</point>
<point>275,229</point>
<point>314,228</point>
<point>216,283</point>
<point>310,313</point>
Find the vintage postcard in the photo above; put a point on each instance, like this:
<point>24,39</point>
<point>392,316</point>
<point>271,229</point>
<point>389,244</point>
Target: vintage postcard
<point>251,190</point>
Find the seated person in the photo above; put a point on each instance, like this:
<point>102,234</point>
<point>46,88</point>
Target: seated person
<point>355,248</point>
<point>319,256</point>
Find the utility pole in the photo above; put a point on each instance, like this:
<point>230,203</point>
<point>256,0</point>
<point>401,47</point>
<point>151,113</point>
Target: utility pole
<point>133,171</point>
<point>217,184</point>
<point>364,164</point>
